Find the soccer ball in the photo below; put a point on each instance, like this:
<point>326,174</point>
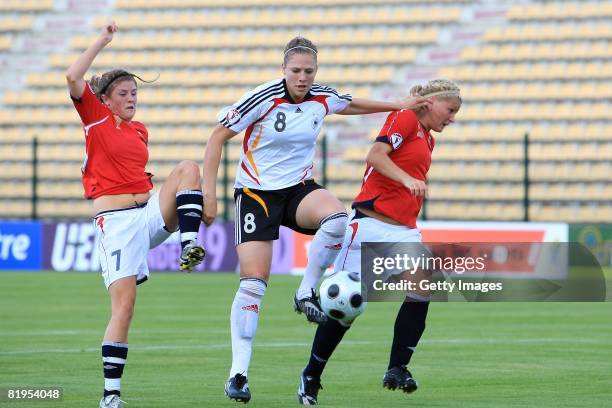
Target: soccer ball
<point>341,296</point>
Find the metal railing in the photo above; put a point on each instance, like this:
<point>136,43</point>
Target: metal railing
<point>227,196</point>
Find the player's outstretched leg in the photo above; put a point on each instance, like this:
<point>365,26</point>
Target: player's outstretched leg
<point>308,390</point>
<point>122,292</point>
<point>323,250</point>
<point>114,356</point>
<point>409,327</point>
<point>244,320</point>
<point>181,204</point>
<point>327,337</point>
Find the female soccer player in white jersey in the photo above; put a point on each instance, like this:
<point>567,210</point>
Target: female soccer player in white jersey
<point>386,210</point>
<point>274,187</point>
<point>129,219</point>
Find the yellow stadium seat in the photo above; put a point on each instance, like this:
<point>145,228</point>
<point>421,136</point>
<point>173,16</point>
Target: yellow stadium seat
<point>16,208</point>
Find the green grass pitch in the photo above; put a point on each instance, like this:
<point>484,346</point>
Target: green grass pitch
<point>471,355</point>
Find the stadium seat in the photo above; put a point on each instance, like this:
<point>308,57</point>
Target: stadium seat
<point>5,42</point>
<point>60,189</point>
<point>545,71</point>
<point>177,4</point>
<point>61,152</point>
<point>60,170</point>
<point>20,152</point>
<point>543,32</point>
<point>15,189</point>
<point>16,23</point>
<point>558,11</point>
<point>67,209</point>
<point>15,208</point>
<point>26,5</point>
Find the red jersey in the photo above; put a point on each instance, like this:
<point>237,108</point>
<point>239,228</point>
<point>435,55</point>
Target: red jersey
<point>115,156</point>
<point>412,146</point>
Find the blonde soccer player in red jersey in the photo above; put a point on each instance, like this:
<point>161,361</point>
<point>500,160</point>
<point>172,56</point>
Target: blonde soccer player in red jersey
<point>129,219</point>
<point>386,210</point>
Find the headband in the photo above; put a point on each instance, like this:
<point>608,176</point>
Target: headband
<point>301,46</point>
<point>122,74</point>
<point>450,92</point>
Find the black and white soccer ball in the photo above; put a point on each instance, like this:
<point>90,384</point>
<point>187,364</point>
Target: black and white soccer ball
<point>341,297</point>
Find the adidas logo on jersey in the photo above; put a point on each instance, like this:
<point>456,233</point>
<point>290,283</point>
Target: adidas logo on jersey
<point>251,308</point>
<point>298,110</point>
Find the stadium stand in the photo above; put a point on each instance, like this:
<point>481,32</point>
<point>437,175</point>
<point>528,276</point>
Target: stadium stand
<point>17,23</point>
<point>26,5</point>
<point>540,67</point>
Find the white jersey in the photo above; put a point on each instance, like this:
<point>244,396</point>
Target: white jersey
<point>279,143</point>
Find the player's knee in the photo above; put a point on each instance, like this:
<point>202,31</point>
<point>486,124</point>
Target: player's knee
<point>334,224</point>
<point>189,169</point>
<point>254,288</point>
<point>124,309</point>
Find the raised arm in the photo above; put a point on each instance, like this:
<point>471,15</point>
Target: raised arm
<point>76,72</point>
<point>360,106</point>
<point>212,157</point>
<point>378,157</point>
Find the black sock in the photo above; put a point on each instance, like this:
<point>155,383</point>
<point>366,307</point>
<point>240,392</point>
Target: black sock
<point>409,326</point>
<point>114,356</point>
<point>327,337</point>
<point>189,204</point>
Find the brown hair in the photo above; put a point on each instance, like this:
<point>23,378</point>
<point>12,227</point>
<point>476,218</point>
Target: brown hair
<point>105,83</point>
<point>300,45</point>
<point>441,88</point>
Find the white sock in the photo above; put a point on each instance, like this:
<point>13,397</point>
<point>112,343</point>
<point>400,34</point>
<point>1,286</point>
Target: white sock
<point>243,321</point>
<point>323,251</point>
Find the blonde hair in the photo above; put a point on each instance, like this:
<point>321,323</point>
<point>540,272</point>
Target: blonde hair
<point>299,45</point>
<point>441,88</point>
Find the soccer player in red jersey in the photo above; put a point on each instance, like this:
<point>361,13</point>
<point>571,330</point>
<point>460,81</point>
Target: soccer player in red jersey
<point>129,219</point>
<point>385,210</point>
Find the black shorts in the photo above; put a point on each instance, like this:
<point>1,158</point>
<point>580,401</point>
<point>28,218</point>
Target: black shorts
<point>260,213</point>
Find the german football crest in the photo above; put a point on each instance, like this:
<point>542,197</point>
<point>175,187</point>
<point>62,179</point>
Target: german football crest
<point>233,116</point>
<point>396,140</point>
